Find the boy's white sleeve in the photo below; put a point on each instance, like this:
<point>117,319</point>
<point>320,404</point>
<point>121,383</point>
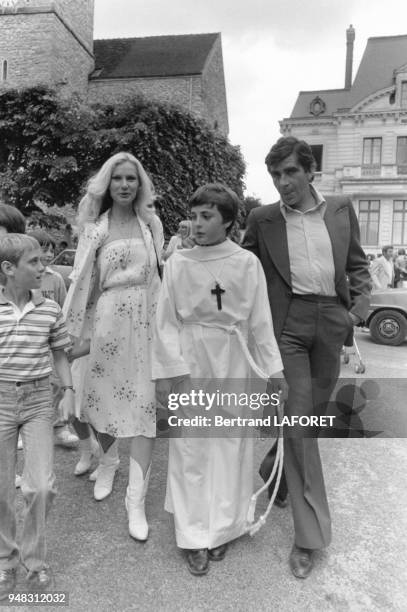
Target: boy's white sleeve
<point>262,342</point>
<point>167,359</point>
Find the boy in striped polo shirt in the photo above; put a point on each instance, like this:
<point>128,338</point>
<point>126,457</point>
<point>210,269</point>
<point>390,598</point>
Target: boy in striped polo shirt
<point>53,288</point>
<point>30,325</point>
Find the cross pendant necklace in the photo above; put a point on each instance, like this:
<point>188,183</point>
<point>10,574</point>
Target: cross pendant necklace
<point>218,290</point>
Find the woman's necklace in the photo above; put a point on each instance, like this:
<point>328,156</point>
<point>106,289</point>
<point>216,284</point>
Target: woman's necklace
<point>120,229</point>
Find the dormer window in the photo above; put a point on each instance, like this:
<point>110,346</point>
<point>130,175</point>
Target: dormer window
<point>4,70</point>
<point>403,97</point>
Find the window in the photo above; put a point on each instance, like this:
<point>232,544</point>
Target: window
<point>317,153</point>
<point>401,156</point>
<point>4,70</point>
<point>369,213</point>
<point>403,96</point>
<point>372,151</point>
<point>399,221</point>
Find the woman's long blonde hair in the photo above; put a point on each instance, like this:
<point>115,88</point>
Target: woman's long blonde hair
<point>97,198</point>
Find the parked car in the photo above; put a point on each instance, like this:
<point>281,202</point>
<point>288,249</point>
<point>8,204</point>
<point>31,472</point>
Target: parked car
<point>63,263</point>
<point>387,317</point>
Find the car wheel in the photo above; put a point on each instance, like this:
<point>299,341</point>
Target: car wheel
<point>388,327</point>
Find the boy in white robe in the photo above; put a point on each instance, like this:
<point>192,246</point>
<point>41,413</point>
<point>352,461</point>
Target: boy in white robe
<point>213,301</point>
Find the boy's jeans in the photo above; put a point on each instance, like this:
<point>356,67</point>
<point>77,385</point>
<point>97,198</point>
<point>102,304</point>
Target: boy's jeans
<point>26,406</point>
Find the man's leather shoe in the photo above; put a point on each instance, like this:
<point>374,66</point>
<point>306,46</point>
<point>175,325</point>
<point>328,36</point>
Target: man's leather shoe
<point>198,561</point>
<point>301,562</point>
<point>40,580</point>
<point>218,553</point>
<point>7,582</point>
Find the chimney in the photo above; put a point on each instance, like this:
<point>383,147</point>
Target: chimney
<point>350,38</point>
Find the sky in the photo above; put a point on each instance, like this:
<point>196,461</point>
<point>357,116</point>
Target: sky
<point>272,49</point>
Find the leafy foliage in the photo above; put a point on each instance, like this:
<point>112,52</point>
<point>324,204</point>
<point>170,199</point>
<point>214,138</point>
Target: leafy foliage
<point>249,202</point>
<point>50,147</point>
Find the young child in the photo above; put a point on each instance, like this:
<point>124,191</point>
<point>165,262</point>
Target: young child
<point>53,288</point>
<point>30,325</point>
<point>12,222</point>
<point>213,304</point>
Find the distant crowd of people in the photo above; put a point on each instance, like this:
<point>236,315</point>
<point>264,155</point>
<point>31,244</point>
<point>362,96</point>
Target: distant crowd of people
<point>389,270</point>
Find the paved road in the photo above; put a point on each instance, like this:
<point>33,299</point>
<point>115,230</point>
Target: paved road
<point>103,569</point>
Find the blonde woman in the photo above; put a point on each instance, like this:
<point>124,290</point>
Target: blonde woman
<point>181,240</point>
<point>109,310</point>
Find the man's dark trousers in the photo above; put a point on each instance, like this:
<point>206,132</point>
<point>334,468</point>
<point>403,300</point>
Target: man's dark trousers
<point>310,345</point>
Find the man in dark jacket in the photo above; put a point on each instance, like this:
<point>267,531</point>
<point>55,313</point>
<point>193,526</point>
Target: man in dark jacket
<point>318,287</point>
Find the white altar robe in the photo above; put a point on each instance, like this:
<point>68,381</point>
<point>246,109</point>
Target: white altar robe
<point>209,481</point>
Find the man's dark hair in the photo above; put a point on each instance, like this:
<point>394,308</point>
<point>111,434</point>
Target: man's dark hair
<point>287,145</point>
<point>11,219</point>
<point>386,248</point>
<point>216,194</point>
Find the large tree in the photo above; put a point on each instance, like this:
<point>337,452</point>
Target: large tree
<point>43,144</point>
<point>49,148</point>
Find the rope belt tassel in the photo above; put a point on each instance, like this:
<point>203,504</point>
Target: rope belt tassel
<point>253,527</point>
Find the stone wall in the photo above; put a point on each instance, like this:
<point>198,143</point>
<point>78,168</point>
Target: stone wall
<point>26,42</point>
<point>214,91</point>
<point>184,91</point>
<point>72,64</point>
<point>78,14</point>
<point>39,49</point>
<point>203,96</point>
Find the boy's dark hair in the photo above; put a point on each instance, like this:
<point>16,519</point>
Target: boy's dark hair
<point>216,194</point>
<point>11,219</point>
<point>43,238</point>
<point>13,246</point>
<point>287,145</point>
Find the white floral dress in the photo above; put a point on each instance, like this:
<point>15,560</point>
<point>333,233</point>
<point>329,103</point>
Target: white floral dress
<point>119,397</point>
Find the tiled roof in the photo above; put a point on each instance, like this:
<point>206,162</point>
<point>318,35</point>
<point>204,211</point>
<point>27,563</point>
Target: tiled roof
<point>152,56</point>
<point>382,56</point>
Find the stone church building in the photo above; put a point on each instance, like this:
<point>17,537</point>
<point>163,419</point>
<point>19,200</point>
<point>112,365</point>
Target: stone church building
<point>51,42</point>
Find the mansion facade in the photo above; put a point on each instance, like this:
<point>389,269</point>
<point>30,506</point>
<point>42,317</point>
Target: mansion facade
<point>359,138</point>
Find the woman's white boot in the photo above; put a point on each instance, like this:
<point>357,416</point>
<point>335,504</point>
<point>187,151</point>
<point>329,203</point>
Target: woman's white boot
<point>135,498</point>
<point>109,462</point>
<point>89,448</point>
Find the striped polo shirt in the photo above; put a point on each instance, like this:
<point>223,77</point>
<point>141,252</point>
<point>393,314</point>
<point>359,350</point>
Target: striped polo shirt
<point>27,336</point>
